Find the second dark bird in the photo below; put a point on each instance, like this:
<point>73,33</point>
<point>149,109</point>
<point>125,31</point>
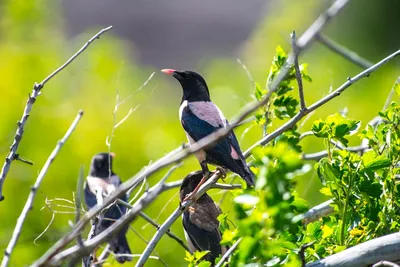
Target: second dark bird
<point>200,117</point>
<point>100,179</point>
<point>200,222</point>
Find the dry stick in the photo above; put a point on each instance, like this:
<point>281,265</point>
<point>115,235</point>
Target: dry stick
<point>228,253</point>
<point>173,157</point>
<point>298,73</point>
<point>32,194</point>
<point>343,51</point>
<point>12,155</point>
<point>365,254</point>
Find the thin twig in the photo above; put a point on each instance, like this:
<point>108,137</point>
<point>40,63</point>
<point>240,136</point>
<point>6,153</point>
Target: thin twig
<point>153,223</point>
<point>343,51</point>
<point>390,96</point>
<point>302,252</point>
<point>228,253</point>
<point>34,189</point>
<point>298,73</point>
<point>319,155</point>
<point>12,155</point>
<point>78,201</point>
<point>253,84</point>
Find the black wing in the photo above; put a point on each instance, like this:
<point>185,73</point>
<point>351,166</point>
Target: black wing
<point>203,239</point>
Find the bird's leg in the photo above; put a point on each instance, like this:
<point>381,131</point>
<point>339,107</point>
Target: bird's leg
<point>206,175</point>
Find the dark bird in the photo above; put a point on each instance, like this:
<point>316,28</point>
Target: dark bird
<point>200,117</point>
<point>102,178</point>
<point>200,222</point>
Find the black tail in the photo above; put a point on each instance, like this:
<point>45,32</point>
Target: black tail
<point>248,176</point>
<point>121,248</point>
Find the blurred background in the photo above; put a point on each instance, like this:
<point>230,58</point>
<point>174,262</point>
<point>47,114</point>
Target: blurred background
<point>36,36</point>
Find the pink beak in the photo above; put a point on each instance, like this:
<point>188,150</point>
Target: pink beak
<point>168,71</point>
<point>112,154</point>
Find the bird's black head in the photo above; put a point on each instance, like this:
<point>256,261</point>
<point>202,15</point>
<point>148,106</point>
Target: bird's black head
<point>190,182</point>
<point>101,165</point>
<point>194,86</point>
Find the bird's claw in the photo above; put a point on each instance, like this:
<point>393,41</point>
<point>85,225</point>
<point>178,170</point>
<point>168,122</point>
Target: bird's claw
<point>222,171</point>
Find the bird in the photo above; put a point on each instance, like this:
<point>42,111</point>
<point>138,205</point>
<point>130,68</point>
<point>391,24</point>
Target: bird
<point>102,178</point>
<point>200,223</point>
<point>200,117</point>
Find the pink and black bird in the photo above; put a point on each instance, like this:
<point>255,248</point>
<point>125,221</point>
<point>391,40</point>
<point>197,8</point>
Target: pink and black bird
<point>102,178</point>
<point>200,117</point>
<point>200,222</point>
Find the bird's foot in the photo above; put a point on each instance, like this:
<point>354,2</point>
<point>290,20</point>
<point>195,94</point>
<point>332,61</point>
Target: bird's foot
<point>223,171</point>
<point>190,196</point>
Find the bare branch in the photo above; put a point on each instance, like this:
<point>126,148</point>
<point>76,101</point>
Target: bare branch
<point>319,155</point>
<point>228,253</point>
<point>12,155</point>
<point>160,232</point>
<point>32,194</point>
<point>382,248</point>
<point>385,264</point>
<point>343,51</point>
<point>298,73</point>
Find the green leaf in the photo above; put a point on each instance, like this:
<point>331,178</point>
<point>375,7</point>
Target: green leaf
<point>320,129</point>
<point>377,163</point>
<point>204,264</point>
<point>198,255</point>
<point>300,205</point>
<point>326,191</point>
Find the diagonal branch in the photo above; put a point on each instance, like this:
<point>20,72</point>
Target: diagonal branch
<point>31,197</point>
<point>366,254</point>
<point>228,253</point>
<point>12,155</point>
<point>343,51</point>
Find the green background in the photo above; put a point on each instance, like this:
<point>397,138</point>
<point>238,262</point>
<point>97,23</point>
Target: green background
<point>33,44</point>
